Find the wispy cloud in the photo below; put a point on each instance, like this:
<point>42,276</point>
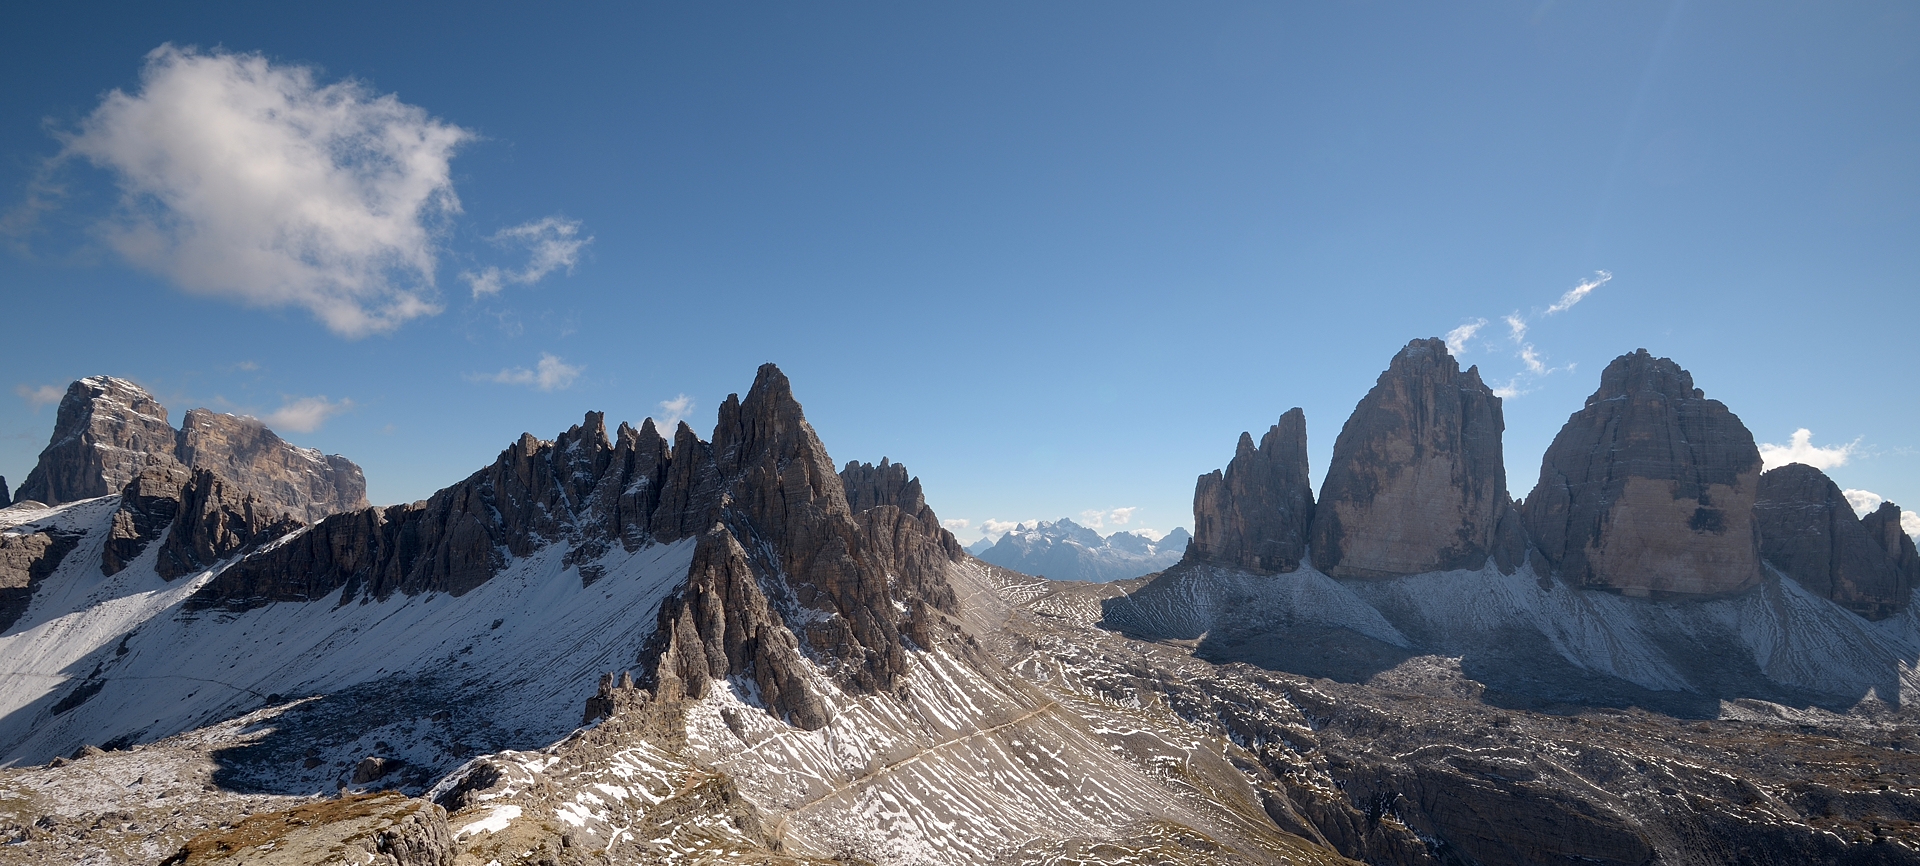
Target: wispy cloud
<point>250,180</point>
<point>552,244</point>
<point>672,412</point>
<point>1097,518</point>
<point>1800,449</point>
<point>305,414</point>
<point>550,374</point>
<point>38,396</point>
<point>1579,293</point>
<point>1458,338</point>
<point>1516,326</point>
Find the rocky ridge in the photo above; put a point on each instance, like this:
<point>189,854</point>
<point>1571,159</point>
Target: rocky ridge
<point>108,430</point>
<point>1065,550</point>
<point>1809,532</point>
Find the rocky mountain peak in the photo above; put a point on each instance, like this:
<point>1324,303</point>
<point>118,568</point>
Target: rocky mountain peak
<point>282,476</point>
<point>889,483</point>
<point>108,430</point>
<point>1417,482</point>
<point>1649,489</point>
<point>1884,526</point>
<point>1809,532</point>
<point>6,498</point>
<point>1255,515</point>
<point>102,434</point>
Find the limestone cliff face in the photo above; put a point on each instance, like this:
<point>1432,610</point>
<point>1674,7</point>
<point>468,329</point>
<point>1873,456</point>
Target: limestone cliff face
<point>103,434</point>
<point>1418,482</point>
<point>202,517</point>
<point>1255,515</point>
<point>1649,489</point>
<point>282,476</point>
<point>1883,526</point>
<point>1808,532</point>
<point>6,498</point>
<point>26,558</point>
<point>109,430</point>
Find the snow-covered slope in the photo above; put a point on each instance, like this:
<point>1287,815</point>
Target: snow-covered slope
<point>117,659</point>
<point>1539,638</point>
<point>1065,550</point>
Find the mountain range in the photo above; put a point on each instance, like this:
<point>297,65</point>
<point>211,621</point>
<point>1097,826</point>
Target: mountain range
<point>1065,550</point>
<point>612,646</point>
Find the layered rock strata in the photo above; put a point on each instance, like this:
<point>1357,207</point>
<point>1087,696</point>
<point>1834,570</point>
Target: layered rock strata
<point>1809,532</point>
<point>103,433</point>
<point>299,481</point>
<point>109,430</point>
<point>1255,515</point>
<point>1649,489</point>
<point>203,517</point>
<point>1417,482</point>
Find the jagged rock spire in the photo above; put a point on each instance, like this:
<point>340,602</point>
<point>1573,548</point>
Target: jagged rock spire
<point>102,435</point>
<point>1649,489</point>
<point>1255,515</point>
<point>1418,482</point>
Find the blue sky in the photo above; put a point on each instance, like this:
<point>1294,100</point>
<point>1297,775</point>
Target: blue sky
<point>1054,257</point>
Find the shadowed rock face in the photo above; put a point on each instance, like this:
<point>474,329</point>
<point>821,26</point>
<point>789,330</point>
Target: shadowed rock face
<point>102,435</point>
<point>25,560</point>
<point>6,498</point>
<point>1417,482</point>
<point>1808,531</point>
<point>1255,515</point>
<point>281,476</point>
<point>1883,526</point>
<point>1649,489</point>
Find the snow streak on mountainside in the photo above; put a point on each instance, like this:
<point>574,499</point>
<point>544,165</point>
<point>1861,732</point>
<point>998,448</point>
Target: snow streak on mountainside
<point>120,660</point>
<point>1065,550</point>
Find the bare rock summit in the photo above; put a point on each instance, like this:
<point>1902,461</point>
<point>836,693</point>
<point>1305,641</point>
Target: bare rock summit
<point>1417,482</point>
<point>1649,489</point>
<point>1255,515</point>
<point>1809,532</point>
<point>299,481</point>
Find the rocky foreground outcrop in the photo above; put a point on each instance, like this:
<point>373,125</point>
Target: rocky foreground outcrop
<point>1809,532</point>
<point>1649,489</point>
<point>1418,482</point>
<point>108,430</point>
<point>1256,514</point>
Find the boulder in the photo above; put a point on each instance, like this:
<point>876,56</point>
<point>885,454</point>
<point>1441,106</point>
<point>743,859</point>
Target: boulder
<point>1808,532</point>
<point>1649,489</point>
<point>103,435</point>
<point>1417,482</point>
<point>1255,515</point>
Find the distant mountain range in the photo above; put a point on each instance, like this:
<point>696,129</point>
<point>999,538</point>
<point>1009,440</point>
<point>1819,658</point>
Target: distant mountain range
<point>1065,550</point>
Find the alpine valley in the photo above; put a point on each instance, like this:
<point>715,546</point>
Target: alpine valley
<point>641,646</point>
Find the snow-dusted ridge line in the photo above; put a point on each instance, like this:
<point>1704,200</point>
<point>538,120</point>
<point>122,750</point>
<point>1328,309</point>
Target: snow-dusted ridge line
<point>523,649</point>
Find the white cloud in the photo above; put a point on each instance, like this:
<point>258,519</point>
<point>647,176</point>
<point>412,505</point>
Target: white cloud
<point>996,528</point>
<point>551,374</point>
<point>1531,358</point>
<point>1122,516</point>
<point>249,180</point>
<point>958,524</point>
<point>1516,326</point>
<point>672,412</point>
<point>1457,338</point>
<point>43,395</point>
<point>552,243</point>
<point>1578,293</point>
<point>1096,518</point>
<point>1910,522</point>
<point>305,414</point>
<point>1800,449</point>
<point>1864,502</point>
